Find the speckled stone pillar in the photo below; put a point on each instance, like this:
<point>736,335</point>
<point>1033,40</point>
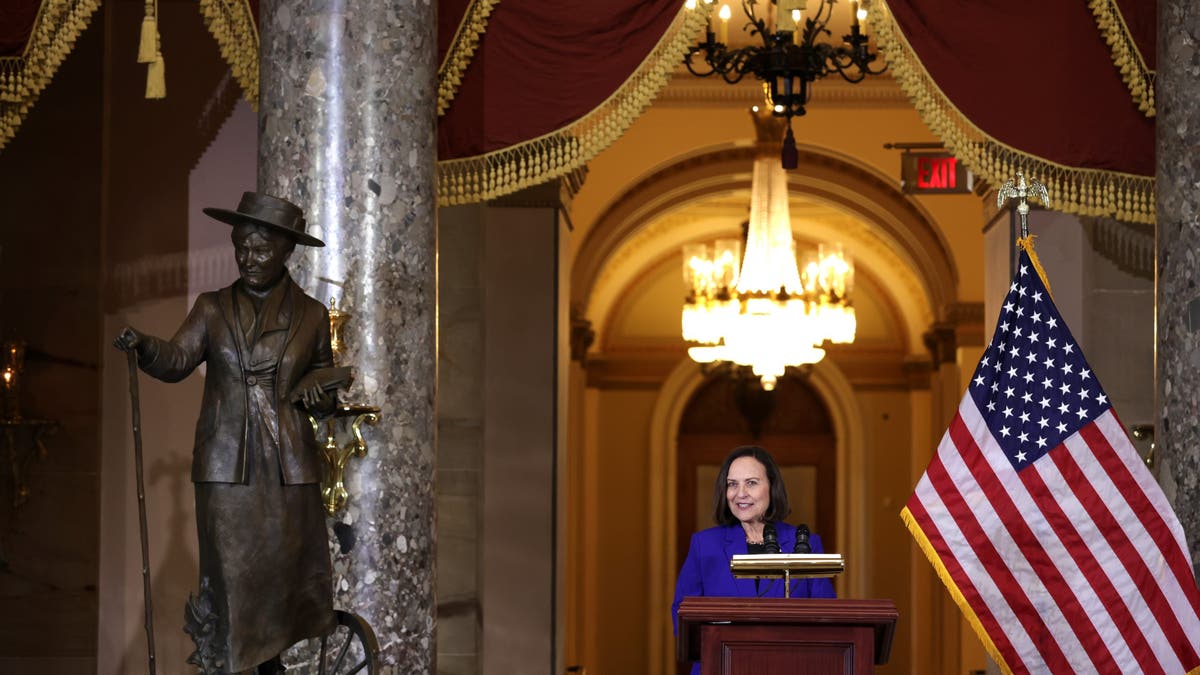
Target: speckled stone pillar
<point>1177,95</point>
<point>347,119</point>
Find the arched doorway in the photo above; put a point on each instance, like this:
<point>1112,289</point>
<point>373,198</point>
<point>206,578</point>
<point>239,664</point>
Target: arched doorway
<point>791,422</point>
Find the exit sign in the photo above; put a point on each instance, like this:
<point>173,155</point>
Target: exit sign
<point>934,173</point>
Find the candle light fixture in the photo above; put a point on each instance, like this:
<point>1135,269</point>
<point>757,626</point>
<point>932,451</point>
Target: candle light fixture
<point>767,309</point>
<point>792,54</point>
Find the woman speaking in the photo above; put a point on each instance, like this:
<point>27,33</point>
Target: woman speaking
<point>749,505</point>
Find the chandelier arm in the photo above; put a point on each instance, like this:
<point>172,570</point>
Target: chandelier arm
<point>869,71</point>
<point>732,65</point>
<point>687,62</point>
<point>852,78</point>
<point>841,59</point>
<point>755,24</point>
<point>824,14</point>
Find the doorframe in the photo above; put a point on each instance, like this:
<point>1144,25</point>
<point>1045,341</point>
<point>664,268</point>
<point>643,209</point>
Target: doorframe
<point>831,385</point>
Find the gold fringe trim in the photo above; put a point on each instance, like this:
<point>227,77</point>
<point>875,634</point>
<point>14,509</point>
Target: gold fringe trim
<point>22,78</point>
<point>1087,192</point>
<point>461,51</point>
<point>1125,54</point>
<point>944,575</point>
<point>1026,243</point>
<point>231,22</point>
<point>501,172</point>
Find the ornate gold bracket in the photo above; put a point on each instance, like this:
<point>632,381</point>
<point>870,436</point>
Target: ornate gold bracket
<point>336,456</point>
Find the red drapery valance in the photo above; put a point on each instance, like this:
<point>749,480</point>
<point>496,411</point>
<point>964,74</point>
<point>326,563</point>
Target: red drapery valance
<point>531,90</point>
<point>527,90</point>
<point>1032,86</point>
<point>553,84</point>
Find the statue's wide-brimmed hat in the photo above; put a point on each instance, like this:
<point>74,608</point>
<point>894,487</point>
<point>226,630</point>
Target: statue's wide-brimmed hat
<point>278,214</point>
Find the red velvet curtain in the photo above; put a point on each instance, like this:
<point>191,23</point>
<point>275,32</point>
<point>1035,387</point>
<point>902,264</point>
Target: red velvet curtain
<point>543,64</point>
<point>16,22</point>
<point>1037,76</point>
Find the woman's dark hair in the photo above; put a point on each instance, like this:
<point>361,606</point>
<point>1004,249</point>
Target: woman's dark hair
<point>779,507</point>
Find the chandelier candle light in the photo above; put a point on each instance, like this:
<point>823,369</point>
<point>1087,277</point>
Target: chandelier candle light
<point>769,312</point>
<point>790,58</point>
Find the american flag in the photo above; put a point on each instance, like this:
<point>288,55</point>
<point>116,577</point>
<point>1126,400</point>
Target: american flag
<point>1041,518</point>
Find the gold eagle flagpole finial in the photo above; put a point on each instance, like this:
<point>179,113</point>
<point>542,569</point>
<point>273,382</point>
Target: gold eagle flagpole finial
<point>1021,190</point>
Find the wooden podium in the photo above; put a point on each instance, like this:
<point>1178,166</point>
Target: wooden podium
<point>777,636</point>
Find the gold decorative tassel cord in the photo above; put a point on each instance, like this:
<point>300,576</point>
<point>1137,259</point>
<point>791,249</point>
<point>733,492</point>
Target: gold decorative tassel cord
<point>1086,192</point>
<point>494,174</point>
<point>22,78</point>
<point>148,40</point>
<point>156,78</point>
<point>150,53</point>
<point>1026,244</point>
<point>461,51</point>
<point>231,22</point>
<point>1125,54</point>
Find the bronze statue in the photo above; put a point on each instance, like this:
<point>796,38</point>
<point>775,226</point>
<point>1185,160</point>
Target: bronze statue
<point>256,468</point>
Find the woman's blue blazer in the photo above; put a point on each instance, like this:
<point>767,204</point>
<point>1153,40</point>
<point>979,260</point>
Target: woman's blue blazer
<point>706,572</point>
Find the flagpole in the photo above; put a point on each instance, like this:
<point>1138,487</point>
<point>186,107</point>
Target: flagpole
<point>1021,190</point>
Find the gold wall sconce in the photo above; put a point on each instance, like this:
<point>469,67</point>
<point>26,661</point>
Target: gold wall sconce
<point>23,437</point>
<point>337,455</point>
<point>12,362</point>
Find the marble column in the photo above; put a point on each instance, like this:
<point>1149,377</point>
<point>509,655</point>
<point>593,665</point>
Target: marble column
<point>347,127</point>
<point>1178,299</point>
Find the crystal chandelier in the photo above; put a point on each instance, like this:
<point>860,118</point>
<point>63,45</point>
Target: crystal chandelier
<point>791,55</point>
<point>766,310</point>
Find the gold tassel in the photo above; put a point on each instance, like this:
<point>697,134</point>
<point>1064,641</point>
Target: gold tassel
<point>156,78</point>
<point>148,44</point>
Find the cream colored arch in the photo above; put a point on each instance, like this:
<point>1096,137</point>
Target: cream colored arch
<point>893,233</point>
<point>835,390</point>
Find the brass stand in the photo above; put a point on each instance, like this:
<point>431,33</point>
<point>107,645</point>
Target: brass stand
<point>333,488</point>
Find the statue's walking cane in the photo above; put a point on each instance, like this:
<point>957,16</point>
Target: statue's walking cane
<point>141,494</point>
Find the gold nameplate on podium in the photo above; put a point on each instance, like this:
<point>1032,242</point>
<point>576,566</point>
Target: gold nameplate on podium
<point>787,566</point>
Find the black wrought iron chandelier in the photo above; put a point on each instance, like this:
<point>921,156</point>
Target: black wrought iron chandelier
<point>792,56</point>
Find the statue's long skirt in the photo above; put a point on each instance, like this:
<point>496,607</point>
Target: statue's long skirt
<point>263,547</point>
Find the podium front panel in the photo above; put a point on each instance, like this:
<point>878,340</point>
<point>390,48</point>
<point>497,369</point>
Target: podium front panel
<point>779,650</point>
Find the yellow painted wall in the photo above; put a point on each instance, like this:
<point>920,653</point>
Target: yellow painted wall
<point>622,445</point>
<point>887,421</point>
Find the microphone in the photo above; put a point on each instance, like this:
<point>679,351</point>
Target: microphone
<point>770,539</point>
<point>802,545</point>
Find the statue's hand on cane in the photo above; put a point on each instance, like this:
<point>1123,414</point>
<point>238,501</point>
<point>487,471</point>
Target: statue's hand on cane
<point>130,339</point>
